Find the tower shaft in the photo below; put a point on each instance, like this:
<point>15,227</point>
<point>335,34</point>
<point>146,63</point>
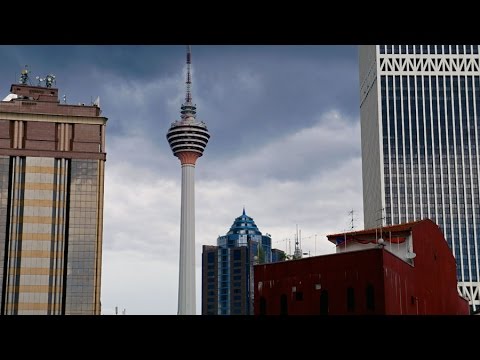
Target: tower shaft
<point>186,289</point>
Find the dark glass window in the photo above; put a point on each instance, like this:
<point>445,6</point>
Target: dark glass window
<point>324,302</point>
<point>382,49</point>
<point>263,306</point>
<point>211,257</point>
<point>370,297</point>
<point>350,299</point>
<point>237,255</point>
<point>299,296</point>
<point>283,305</point>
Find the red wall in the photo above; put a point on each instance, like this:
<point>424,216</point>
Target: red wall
<point>335,273</point>
<point>429,287</point>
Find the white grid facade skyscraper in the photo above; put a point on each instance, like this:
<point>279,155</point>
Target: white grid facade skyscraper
<point>420,124</point>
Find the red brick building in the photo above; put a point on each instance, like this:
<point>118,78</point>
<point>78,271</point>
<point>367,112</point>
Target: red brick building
<point>404,269</point>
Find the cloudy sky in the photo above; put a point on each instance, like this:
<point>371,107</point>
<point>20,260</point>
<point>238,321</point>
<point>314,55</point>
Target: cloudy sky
<point>285,143</point>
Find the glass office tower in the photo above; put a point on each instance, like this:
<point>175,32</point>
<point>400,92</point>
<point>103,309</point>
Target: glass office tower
<point>420,107</point>
<point>227,269</point>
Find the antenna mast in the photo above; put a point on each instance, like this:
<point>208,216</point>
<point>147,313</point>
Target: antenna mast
<point>297,254</point>
<point>382,217</point>
<point>351,221</point>
<point>188,97</point>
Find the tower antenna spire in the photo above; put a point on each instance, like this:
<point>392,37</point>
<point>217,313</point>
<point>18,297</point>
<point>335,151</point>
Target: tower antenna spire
<point>188,110</point>
<point>188,97</point>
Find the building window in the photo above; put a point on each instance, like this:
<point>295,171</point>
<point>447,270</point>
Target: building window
<point>299,296</point>
<point>370,295</point>
<point>283,305</point>
<point>263,306</point>
<point>211,257</point>
<point>350,299</point>
<point>324,302</point>
<point>237,255</point>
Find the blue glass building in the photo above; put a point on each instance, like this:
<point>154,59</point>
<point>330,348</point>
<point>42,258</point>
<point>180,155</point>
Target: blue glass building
<point>227,269</point>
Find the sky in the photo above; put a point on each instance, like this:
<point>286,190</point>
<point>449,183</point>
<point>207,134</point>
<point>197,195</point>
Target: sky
<point>285,144</point>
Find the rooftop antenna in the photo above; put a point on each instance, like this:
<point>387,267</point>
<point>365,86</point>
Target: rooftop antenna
<point>298,251</point>
<point>351,221</point>
<point>381,218</point>
<point>24,76</point>
<point>49,80</point>
<point>40,80</point>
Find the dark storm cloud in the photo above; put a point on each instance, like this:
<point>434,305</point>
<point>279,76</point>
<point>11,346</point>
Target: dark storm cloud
<point>246,94</point>
<point>249,96</point>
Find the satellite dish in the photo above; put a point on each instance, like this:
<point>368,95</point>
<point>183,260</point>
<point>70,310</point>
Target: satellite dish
<point>410,255</point>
